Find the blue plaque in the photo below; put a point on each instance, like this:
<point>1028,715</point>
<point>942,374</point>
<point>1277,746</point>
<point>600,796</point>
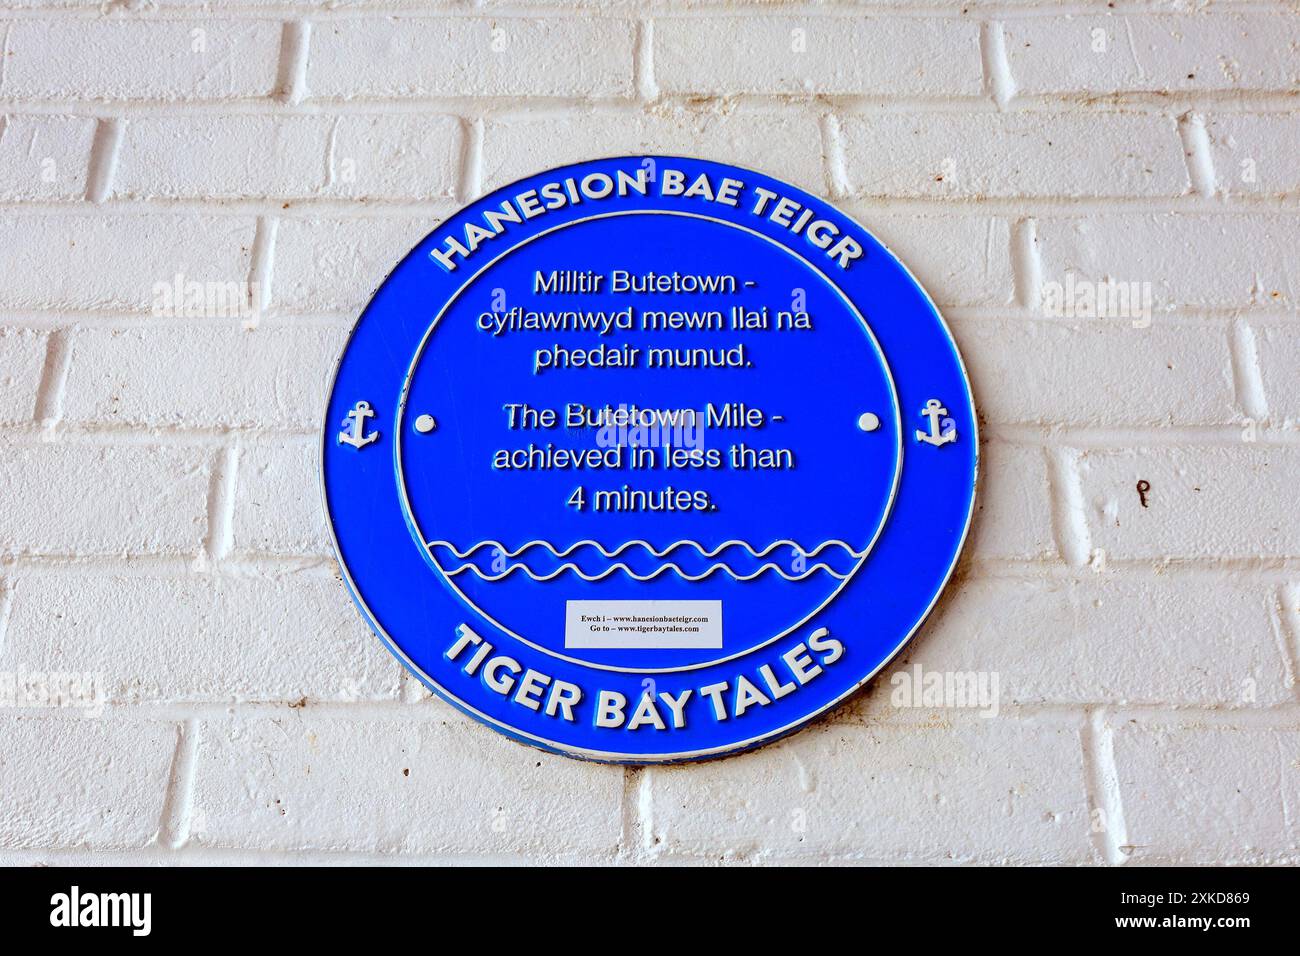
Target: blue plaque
<point>648,459</point>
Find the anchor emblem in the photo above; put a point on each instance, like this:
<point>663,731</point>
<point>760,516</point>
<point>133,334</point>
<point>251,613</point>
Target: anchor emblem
<point>935,411</point>
<point>354,426</point>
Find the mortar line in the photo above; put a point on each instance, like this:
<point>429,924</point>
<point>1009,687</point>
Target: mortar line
<point>1119,437</point>
<point>5,51</point>
<point>221,505</point>
<point>297,317</point>
<point>236,12</point>
<point>104,149</point>
<point>631,846</point>
<point>1050,434</point>
<point>1288,632</point>
<point>534,856</point>
<point>645,812</point>
<point>1238,102</point>
<point>383,708</point>
<point>242,565</point>
<point>1248,380</point>
<point>155,855</point>
<point>998,83</point>
<point>471,160</point>
<point>59,319</point>
<point>1051,207</point>
<point>331,147</point>
<point>1267,572</point>
<point>291,70</point>
<point>1069,516</point>
<point>1026,264</point>
<point>149,435</point>
<point>48,410</point>
<point>261,268</point>
<point>1196,153</point>
<point>6,608</point>
<point>177,813</point>
<point>643,62</point>
<point>1103,788</point>
<point>835,165</point>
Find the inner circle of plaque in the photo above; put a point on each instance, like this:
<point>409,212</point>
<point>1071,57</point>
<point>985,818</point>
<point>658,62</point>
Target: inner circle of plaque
<point>774,546</point>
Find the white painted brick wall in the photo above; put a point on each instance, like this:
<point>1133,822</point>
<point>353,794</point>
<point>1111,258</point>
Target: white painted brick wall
<point>737,55</point>
<point>288,157</point>
<point>1151,53</point>
<point>94,260</point>
<point>161,530</point>
<point>112,59</point>
<point>982,155</point>
<point>1231,260</point>
<point>215,376</point>
<point>472,57</point>
<point>44,157</point>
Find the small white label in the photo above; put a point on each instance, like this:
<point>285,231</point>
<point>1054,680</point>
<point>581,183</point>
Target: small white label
<point>643,624</point>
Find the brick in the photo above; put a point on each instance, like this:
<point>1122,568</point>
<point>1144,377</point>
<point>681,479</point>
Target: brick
<point>471,57</point>
<point>1255,154</point>
<point>960,260</point>
<point>1277,348</point>
<point>1013,508</point>
<point>969,789</point>
<point>1013,154</point>
<point>117,59</point>
<point>115,261</point>
<point>403,156</point>
<point>198,638</point>
<point>102,500</point>
<point>785,145</point>
<point>1097,372</point>
<point>1210,261</point>
<point>278,507</point>
<point>1104,639</point>
<point>233,157</point>
<point>1204,502</point>
<point>332,264</point>
<point>22,359</point>
<point>82,783</point>
<point>1197,793</point>
<point>1158,54</point>
<point>426,786</point>
<point>731,55</point>
<point>268,376</point>
<point>221,157</point>
<point>44,157</point>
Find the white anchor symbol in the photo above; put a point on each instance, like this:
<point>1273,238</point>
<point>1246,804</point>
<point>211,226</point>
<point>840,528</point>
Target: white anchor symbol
<point>354,426</point>
<point>934,411</point>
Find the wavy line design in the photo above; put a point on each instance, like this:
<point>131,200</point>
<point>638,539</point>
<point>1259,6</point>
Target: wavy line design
<point>642,561</point>
<point>506,552</point>
<point>643,577</point>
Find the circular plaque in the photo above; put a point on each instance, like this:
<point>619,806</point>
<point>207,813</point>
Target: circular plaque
<point>648,459</point>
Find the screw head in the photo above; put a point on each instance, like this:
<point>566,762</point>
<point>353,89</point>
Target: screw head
<point>868,421</point>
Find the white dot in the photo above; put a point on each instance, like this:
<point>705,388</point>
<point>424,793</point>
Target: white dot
<point>425,424</point>
<point>868,422</point>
